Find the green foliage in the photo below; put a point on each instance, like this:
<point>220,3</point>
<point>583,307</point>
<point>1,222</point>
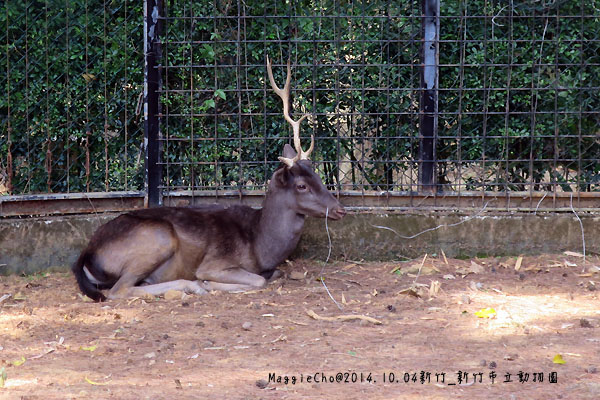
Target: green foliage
<point>74,74</point>
<point>347,73</point>
<point>525,107</point>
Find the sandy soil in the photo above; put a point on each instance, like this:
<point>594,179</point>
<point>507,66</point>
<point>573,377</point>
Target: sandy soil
<point>415,324</point>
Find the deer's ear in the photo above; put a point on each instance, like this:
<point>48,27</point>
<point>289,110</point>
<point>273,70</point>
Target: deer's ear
<point>288,151</point>
<point>282,177</point>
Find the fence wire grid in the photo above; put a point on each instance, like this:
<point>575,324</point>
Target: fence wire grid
<point>514,105</point>
<point>72,76</point>
<point>518,104</point>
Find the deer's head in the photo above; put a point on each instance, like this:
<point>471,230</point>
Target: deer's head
<point>296,181</point>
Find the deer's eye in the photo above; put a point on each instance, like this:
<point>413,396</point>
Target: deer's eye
<point>301,187</point>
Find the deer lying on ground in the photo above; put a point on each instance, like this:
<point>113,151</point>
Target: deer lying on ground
<point>195,250</point>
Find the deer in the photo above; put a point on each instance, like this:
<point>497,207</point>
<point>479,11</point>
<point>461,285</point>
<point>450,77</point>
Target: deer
<point>199,249</point>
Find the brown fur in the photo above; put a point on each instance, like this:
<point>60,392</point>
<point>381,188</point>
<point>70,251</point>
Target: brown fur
<point>199,249</point>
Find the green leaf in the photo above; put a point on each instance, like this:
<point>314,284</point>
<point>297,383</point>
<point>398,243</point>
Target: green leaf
<point>558,359</point>
<point>486,313</point>
<point>19,362</point>
<point>220,93</point>
<point>90,348</point>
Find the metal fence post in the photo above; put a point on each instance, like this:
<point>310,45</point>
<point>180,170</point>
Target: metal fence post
<point>153,10</point>
<point>428,105</point>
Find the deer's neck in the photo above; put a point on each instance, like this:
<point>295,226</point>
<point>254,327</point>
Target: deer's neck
<point>278,232</point>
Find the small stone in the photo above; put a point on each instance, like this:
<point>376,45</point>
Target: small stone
<point>166,336</point>
<point>185,304</point>
<point>224,325</point>
<point>493,365</point>
<point>391,308</point>
<point>147,297</point>
<point>591,370</point>
<point>150,355</point>
<point>173,295</point>
<point>585,323</point>
<point>521,276</point>
<point>261,383</point>
<point>200,324</point>
<point>483,363</point>
<point>465,299</point>
<point>246,326</point>
<point>297,275</point>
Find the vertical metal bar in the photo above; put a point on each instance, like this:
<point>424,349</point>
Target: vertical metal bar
<point>191,117</point>
<point>152,83</point>
<point>533,108</point>
<point>215,155</point>
<point>461,41</point>
<point>555,180</point>
<point>486,92</point>
<point>105,67</point>
<point>578,86</point>
<point>428,123</point>
<point>166,149</point>
<point>238,89</point>
<point>48,158</point>
<point>68,92</point>
<point>87,103</point>
<point>125,97</point>
<point>507,143</point>
<point>9,161</point>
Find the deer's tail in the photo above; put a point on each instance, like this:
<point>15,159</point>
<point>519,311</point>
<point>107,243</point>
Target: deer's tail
<point>89,288</point>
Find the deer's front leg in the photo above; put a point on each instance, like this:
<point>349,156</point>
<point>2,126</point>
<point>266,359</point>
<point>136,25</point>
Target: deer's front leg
<point>231,280</point>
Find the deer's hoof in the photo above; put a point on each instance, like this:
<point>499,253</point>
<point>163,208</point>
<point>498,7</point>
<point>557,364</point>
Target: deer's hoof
<point>195,288</point>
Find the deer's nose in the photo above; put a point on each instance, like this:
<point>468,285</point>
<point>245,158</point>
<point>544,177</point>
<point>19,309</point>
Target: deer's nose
<point>337,213</point>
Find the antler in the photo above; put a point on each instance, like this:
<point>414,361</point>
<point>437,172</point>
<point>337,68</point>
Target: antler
<point>285,96</point>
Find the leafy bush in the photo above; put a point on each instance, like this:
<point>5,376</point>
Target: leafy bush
<point>518,94</point>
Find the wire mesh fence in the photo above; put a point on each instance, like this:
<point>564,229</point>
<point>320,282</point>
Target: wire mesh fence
<point>517,103</point>
<point>356,72</point>
<point>405,98</point>
<point>71,83</point>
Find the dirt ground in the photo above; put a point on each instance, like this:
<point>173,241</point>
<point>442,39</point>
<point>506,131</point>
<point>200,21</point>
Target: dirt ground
<point>414,330</point>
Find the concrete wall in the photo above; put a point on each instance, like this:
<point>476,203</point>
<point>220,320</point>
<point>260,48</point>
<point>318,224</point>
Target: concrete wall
<point>356,237</point>
<point>35,244</point>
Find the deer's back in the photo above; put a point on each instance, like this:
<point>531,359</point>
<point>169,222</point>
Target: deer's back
<point>193,235</point>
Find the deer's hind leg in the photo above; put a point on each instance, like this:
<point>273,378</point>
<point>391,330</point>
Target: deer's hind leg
<point>230,280</point>
<point>137,256</point>
<point>157,289</point>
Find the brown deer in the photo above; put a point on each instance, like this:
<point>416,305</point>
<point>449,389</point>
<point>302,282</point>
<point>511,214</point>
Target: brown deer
<point>198,249</point>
